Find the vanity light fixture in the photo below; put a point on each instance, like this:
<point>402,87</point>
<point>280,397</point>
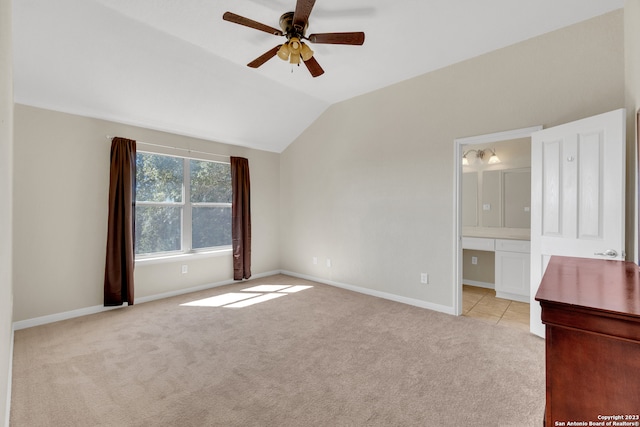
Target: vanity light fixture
<point>493,159</point>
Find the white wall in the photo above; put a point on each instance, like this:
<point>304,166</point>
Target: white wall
<point>370,184</point>
<point>632,82</point>
<point>632,43</point>
<point>61,179</point>
<point>6,170</point>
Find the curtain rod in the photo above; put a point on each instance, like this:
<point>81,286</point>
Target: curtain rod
<point>109,137</point>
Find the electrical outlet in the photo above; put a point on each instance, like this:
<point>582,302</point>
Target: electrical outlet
<point>328,263</point>
<point>185,269</point>
<point>424,278</point>
<point>314,260</point>
<point>474,260</point>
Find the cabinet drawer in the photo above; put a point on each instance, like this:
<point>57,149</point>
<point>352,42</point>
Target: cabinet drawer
<point>507,245</point>
<point>478,244</point>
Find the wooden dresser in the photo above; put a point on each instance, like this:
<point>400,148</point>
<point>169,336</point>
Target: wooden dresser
<point>591,309</point>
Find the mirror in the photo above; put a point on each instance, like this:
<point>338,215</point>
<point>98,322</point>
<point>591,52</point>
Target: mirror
<point>516,187</point>
<point>470,199</point>
<point>497,195</point>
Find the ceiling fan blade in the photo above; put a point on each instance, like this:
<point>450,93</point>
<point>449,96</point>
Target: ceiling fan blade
<point>356,38</point>
<point>302,12</point>
<point>237,19</point>
<point>314,68</point>
<point>264,57</point>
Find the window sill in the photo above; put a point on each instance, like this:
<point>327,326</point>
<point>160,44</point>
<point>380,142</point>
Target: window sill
<point>183,257</point>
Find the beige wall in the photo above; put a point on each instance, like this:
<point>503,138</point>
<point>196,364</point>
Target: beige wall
<point>632,83</point>
<point>370,184</point>
<point>6,170</point>
<point>61,183</point>
<point>484,271</point>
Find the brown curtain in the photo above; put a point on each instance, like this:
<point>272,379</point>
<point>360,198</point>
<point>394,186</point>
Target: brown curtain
<point>241,218</point>
<point>118,274</point>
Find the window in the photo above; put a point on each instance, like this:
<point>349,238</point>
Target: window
<point>182,205</point>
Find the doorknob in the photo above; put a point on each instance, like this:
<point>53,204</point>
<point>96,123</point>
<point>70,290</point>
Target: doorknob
<point>609,252</point>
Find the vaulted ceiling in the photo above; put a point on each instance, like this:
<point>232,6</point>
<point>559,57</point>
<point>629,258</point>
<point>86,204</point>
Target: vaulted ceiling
<point>177,66</point>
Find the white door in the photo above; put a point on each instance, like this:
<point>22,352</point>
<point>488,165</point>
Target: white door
<point>577,195</point>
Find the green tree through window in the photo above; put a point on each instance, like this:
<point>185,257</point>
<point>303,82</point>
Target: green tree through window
<point>174,217</point>
<point>210,204</point>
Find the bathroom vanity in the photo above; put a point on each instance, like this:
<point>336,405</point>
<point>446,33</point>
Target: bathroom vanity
<point>512,264</point>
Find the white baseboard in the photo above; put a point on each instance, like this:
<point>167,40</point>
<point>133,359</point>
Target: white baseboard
<point>478,284</point>
<point>379,294</point>
<point>56,317</point>
<point>43,320</point>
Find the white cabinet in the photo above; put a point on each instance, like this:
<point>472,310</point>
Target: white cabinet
<point>478,244</point>
<point>513,264</point>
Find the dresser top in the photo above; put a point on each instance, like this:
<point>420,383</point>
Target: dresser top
<point>603,285</point>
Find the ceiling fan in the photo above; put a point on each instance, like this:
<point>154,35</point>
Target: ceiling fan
<point>294,26</point>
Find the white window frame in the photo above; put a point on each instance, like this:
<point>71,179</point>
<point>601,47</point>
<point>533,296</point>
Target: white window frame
<point>186,206</point>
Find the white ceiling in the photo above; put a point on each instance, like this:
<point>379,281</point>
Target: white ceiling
<point>175,65</point>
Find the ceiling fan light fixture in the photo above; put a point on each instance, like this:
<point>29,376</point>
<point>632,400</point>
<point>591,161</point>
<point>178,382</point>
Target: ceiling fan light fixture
<point>306,52</point>
<point>294,44</point>
<point>294,27</point>
<point>283,52</point>
<point>294,58</point>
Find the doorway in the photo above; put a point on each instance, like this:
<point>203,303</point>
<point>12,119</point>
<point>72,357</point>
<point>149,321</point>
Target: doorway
<point>471,146</point>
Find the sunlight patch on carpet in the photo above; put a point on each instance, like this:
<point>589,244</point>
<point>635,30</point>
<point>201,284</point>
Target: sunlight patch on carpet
<point>266,288</point>
<point>220,300</point>
<point>256,300</point>
<point>294,289</point>
<point>248,296</point>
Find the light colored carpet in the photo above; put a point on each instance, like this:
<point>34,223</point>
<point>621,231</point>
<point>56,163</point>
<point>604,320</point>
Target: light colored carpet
<point>322,356</point>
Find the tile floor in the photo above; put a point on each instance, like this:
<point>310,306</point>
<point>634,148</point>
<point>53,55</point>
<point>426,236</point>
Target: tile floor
<point>482,304</point>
